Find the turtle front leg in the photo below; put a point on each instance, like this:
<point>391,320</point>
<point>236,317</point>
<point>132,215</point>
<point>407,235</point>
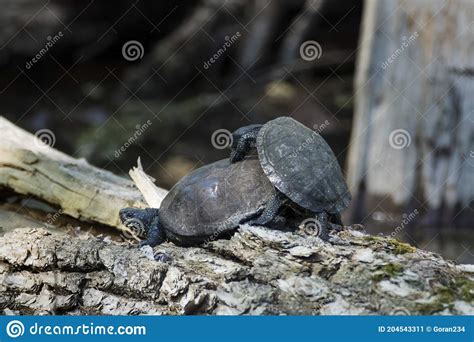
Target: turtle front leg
<point>244,139</point>
<point>271,209</point>
<point>154,233</point>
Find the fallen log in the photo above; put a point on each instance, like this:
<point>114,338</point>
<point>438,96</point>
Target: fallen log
<point>30,166</point>
<point>257,271</point>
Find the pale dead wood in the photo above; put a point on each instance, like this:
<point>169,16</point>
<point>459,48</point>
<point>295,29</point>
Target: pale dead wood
<point>145,183</point>
<point>30,167</point>
<point>415,74</point>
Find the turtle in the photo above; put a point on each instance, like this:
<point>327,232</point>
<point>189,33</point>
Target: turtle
<point>206,204</point>
<point>300,165</point>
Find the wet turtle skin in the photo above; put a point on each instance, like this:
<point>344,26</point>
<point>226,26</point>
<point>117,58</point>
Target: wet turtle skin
<point>301,165</point>
<point>213,200</point>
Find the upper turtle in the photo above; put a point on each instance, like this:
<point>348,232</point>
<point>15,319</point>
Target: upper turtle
<point>300,164</point>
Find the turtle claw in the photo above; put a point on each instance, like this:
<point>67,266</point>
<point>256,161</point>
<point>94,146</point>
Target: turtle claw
<point>151,241</point>
<point>162,257</point>
<point>336,227</point>
<point>332,239</point>
<point>144,243</point>
<point>260,221</point>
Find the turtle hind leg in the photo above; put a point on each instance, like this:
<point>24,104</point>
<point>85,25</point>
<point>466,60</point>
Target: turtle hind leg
<point>245,140</point>
<point>271,210</point>
<point>335,222</point>
<point>324,225</point>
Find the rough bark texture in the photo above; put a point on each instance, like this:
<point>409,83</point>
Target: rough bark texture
<point>258,271</point>
<point>414,125</point>
<point>31,167</point>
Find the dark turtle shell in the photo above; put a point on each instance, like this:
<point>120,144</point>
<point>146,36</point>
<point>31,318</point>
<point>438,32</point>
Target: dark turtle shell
<point>300,164</point>
<point>213,199</point>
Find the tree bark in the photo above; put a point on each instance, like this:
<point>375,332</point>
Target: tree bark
<point>258,271</point>
<point>414,126</point>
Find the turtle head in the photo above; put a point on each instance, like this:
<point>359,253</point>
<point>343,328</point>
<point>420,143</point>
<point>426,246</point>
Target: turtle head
<point>243,139</point>
<point>143,222</point>
<point>246,132</point>
<point>138,219</point>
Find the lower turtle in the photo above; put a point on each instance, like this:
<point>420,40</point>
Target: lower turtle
<point>206,204</point>
<point>300,165</point>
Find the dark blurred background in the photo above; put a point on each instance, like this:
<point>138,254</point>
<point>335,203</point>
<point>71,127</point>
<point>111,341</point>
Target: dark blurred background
<point>95,72</point>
